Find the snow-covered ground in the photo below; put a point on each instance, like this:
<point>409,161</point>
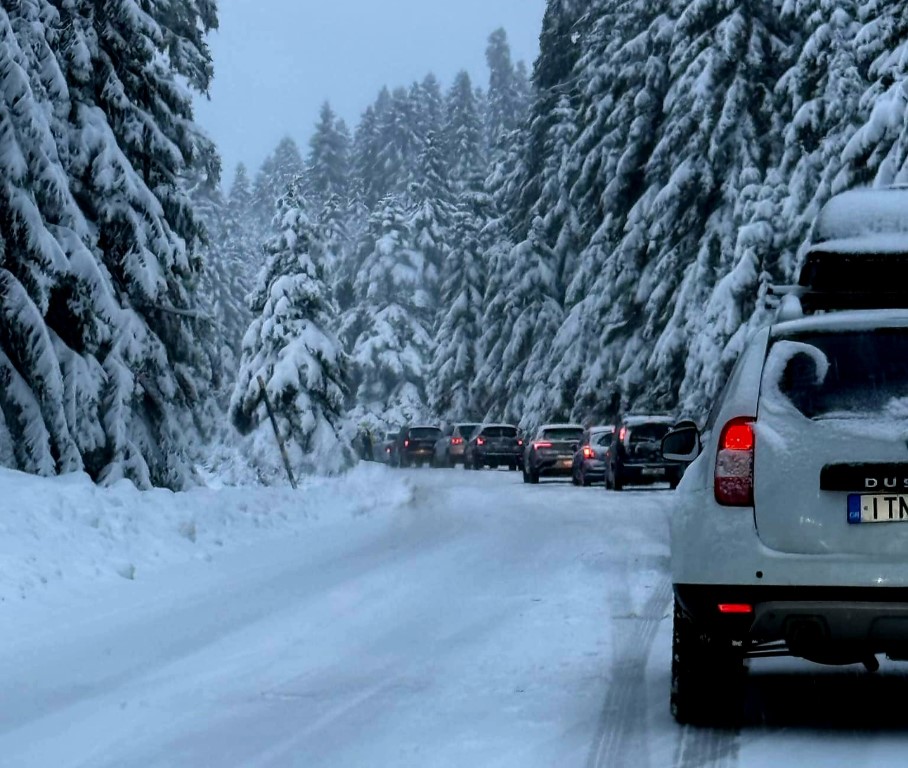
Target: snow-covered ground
<point>423,618</point>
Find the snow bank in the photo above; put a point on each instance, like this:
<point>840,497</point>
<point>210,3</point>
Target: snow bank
<point>66,529</point>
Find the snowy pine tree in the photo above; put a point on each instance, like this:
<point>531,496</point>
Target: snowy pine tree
<point>291,347</point>
<point>328,164</point>
<point>393,320</point>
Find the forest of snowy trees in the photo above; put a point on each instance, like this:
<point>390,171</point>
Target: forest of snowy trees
<point>527,248</point>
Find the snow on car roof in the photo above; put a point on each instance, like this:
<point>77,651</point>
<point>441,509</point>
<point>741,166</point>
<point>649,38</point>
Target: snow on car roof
<point>857,320</point>
<point>876,243</point>
<point>864,212</point>
<point>602,428</point>
<point>510,426</point>
<point>561,426</point>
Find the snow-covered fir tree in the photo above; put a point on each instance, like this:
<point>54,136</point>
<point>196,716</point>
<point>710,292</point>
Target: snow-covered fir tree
<point>392,325</point>
<point>104,365</point>
<point>455,362</point>
<point>282,170</point>
<point>291,347</point>
<point>464,137</point>
<point>328,164</point>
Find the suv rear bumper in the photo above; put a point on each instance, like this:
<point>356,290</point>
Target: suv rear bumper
<point>835,625</point>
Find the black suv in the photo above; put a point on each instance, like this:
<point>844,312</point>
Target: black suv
<point>634,454</point>
<point>415,445</point>
<point>494,445</point>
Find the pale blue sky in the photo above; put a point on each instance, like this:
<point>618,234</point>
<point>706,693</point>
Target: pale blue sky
<point>276,61</point>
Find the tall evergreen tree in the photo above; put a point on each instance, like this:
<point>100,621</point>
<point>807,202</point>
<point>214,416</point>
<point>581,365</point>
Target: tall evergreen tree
<point>292,348</point>
<point>464,137</point>
<point>455,362</point>
<point>328,164</point>
<point>103,338</point>
<point>393,320</point>
<point>282,171</point>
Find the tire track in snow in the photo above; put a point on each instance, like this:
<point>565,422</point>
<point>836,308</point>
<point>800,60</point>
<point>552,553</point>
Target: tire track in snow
<point>707,748</point>
<point>622,728</point>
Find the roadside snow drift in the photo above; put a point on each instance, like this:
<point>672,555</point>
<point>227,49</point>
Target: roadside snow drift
<point>66,529</point>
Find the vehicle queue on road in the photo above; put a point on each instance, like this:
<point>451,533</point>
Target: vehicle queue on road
<point>625,453</point>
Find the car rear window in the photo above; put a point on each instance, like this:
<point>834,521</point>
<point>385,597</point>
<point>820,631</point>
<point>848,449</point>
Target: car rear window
<point>562,434</point>
<point>842,374</point>
<point>604,439</point>
<point>420,433</point>
<point>648,433</point>
<point>500,432</point>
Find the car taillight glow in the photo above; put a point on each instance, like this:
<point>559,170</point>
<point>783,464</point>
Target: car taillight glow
<point>520,442</point>
<point>456,440</point>
<point>406,443</point>
<point>537,446</point>
<point>735,608</point>
<point>622,433</point>
<point>480,441</point>
<point>734,477</point>
<point>588,452</point>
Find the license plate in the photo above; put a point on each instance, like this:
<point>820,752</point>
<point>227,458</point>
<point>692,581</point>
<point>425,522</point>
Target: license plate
<point>877,508</point>
<point>650,472</point>
<point>567,462</point>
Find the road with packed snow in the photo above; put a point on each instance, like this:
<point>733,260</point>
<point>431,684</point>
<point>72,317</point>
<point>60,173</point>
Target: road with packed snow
<point>478,622</point>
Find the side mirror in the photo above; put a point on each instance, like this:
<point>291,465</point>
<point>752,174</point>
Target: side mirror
<point>681,444</point>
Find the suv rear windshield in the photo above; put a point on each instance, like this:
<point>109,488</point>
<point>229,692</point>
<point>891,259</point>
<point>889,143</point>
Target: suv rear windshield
<point>648,433</point>
<point>562,434</point>
<point>842,374</point>
<point>421,433</point>
<point>500,432</point>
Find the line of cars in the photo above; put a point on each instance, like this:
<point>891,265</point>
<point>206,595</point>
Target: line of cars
<point>626,453</point>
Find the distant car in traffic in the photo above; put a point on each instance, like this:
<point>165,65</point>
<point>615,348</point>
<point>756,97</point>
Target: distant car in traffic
<point>551,452</point>
<point>494,445</point>
<point>385,450</point>
<point>589,458</point>
<point>449,449</point>
<point>415,445</point>
<point>634,454</point>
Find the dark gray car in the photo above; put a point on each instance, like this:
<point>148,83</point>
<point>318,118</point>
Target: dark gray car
<point>551,452</point>
<point>634,455</point>
<point>494,445</point>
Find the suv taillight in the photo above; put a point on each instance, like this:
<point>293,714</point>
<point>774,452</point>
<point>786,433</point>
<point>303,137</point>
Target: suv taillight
<point>588,452</point>
<point>456,440</point>
<point>480,441</point>
<point>734,479</point>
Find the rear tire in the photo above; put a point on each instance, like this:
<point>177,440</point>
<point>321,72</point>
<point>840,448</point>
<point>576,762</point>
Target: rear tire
<point>575,479</point>
<point>534,477</point>
<point>526,477</point>
<point>708,676</point>
<point>584,480</point>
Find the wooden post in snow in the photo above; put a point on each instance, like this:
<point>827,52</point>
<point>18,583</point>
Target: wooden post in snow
<point>277,434</point>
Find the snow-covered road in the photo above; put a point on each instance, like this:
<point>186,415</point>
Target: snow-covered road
<point>481,622</point>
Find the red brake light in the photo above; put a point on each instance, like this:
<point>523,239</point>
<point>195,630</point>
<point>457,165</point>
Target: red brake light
<point>406,443</point>
<point>738,437</point>
<point>588,452</point>
<point>735,608</point>
<point>541,445</point>
<point>519,442</point>
<point>480,441</point>
<point>456,440</point>
<point>622,433</point>
<point>734,477</point>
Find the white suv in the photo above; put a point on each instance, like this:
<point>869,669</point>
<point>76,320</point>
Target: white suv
<point>790,532</point>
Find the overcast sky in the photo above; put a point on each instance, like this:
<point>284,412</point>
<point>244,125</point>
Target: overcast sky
<point>276,61</point>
